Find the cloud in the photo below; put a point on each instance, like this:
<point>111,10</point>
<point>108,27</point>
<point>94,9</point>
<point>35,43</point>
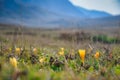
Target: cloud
<point>110,6</point>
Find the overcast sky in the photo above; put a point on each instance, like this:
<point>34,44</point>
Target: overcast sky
<point>111,6</point>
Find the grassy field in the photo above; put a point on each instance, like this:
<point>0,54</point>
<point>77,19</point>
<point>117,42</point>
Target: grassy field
<point>59,54</point>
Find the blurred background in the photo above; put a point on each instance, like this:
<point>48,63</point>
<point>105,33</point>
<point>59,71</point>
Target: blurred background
<point>49,22</point>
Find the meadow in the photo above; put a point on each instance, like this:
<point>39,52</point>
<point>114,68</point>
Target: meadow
<point>59,54</point>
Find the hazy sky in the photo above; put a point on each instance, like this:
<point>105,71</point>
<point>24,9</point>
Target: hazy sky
<point>111,6</point>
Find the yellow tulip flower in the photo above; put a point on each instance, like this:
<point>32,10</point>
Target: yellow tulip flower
<point>61,52</point>
<point>82,55</point>
<point>13,62</point>
<point>17,51</point>
<point>97,54</point>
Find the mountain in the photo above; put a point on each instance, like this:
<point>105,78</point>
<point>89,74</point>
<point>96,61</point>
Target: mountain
<point>49,13</point>
<point>105,22</point>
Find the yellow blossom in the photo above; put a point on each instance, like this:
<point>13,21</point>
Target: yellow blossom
<point>97,54</point>
<point>61,52</point>
<point>82,55</point>
<point>13,62</point>
<point>17,51</point>
<point>41,60</point>
<point>62,49</point>
<point>34,50</point>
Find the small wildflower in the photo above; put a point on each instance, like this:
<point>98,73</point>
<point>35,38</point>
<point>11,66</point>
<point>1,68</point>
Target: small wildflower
<point>62,49</point>
<point>17,51</point>
<point>34,50</point>
<point>97,54</point>
<point>82,55</point>
<point>13,62</point>
<point>61,52</point>
<point>41,60</point>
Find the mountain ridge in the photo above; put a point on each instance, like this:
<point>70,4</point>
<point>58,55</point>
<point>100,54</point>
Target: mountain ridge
<point>45,12</point>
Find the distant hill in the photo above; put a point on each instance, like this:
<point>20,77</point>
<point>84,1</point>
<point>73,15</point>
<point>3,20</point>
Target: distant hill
<point>49,13</point>
<point>113,21</point>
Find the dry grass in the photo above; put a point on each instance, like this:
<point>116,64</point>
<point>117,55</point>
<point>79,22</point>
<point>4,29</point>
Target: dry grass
<point>39,59</point>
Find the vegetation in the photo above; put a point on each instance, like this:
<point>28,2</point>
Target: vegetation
<point>60,64</point>
<point>48,56</point>
<point>105,39</point>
